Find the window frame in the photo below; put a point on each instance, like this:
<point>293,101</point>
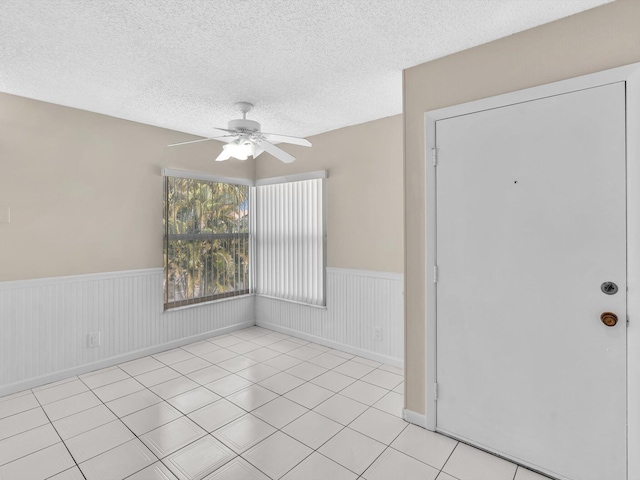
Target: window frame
<point>209,236</point>
<point>252,249</point>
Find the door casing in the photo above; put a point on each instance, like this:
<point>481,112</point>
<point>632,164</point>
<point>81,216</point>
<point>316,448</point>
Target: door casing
<point>630,74</point>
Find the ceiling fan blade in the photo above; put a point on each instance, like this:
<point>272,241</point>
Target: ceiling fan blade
<point>192,141</point>
<point>224,155</point>
<point>276,152</point>
<point>258,151</point>
<point>222,138</point>
<point>274,137</point>
<point>221,130</point>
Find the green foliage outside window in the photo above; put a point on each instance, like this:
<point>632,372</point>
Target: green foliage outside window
<point>206,241</point>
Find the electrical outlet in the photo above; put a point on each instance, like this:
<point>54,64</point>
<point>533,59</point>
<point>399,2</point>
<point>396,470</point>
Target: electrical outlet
<point>377,334</point>
<point>93,339</point>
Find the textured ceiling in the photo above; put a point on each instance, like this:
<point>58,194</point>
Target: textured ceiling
<point>308,65</point>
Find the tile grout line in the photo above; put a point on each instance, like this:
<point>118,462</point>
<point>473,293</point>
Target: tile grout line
<point>316,450</point>
<point>61,440</point>
<point>312,409</point>
<point>28,429</point>
<point>119,419</point>
<point>278,395</point>
<point>343,427</point>
<point>308,410</point>
<point>447,460</point>
<point>259,346</point>
<point>163,400</point>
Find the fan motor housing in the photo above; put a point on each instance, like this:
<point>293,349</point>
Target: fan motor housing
<point>244,125</point>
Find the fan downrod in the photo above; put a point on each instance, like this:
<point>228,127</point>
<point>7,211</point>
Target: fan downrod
<point>244,107</point>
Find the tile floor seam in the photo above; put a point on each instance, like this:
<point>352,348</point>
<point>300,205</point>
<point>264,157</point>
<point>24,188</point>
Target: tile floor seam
<point>169,468</point>
<point>313,450</point>
<point>278,395</point>
<point>335,461</point>
<point>60,437</point>
<point>208,405</point>
<point>343,426</point>
<point>132,474</point>
<point>298,463</point>
<point>49,385</point>
<point>183,446</point>
<point>118,418</point>
<point>374,461</point>
<point>283,395</point>
<point>79,411</point>
<point>167,381</point>
<point>100,371</point>
<point>361,433</point>
<point>142,373</point>
<point>280,429</point>
<point>105,451</point>
<point>328,439</point>
<point>417,459</point>
<point>212,364</point>
<point>59,399</point>
<point>240,455</point>
<point>28,429</point>
<point>30,453</point>
<point>449,458</point>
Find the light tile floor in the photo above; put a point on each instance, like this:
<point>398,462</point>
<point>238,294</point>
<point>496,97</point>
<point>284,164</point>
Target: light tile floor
<point>250,405</point>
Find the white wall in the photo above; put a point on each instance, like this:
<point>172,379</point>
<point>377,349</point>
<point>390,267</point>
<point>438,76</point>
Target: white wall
<point>358,301</point>
<point>45,323</point>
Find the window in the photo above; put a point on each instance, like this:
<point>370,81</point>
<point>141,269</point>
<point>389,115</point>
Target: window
<point>290,238</point>
<point>206,240</point>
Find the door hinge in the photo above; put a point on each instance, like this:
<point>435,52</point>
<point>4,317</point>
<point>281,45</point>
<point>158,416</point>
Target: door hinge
<point>627,320</point>
<point>434,155</point>
<point>435,391</point>
<point>435,274</point>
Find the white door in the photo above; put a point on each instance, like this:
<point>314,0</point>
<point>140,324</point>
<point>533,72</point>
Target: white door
<point>530,224</point>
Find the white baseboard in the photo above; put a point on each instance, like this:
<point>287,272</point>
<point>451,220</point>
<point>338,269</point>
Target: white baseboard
<point>45,323</point>
<point>376,357</point>
<point>415,418</point>
<point>107,362</point>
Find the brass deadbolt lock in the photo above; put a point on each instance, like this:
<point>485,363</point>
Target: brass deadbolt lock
<point>609,319</point>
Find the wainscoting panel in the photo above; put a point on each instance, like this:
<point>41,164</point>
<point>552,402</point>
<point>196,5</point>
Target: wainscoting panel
<point>358,302</point>
<point>44,322</point>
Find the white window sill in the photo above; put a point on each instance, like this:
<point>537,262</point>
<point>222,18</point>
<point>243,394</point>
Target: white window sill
<point>202,304</point>
<point>321,307</point>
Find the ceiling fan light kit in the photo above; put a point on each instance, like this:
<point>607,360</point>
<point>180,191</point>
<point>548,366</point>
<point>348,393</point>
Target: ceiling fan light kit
<point>240,149</point>
<point>244,139</point>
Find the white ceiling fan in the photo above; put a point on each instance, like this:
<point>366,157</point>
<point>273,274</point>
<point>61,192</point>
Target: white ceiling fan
<point>244,139</point>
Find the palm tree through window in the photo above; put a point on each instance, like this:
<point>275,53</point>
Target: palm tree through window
<point>206,241</point>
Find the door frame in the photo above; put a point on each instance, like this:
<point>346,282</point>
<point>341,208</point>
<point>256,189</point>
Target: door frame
<point>630,74</point>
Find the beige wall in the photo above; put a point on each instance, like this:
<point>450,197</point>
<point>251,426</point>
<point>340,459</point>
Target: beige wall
<point>365,207</point>
<point>606,37</point>
<point>85,190</point>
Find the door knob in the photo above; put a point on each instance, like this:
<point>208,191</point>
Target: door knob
<point>609,319</point>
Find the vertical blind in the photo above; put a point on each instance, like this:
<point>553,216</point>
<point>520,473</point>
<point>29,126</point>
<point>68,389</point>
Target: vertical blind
<point>290,241</point>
